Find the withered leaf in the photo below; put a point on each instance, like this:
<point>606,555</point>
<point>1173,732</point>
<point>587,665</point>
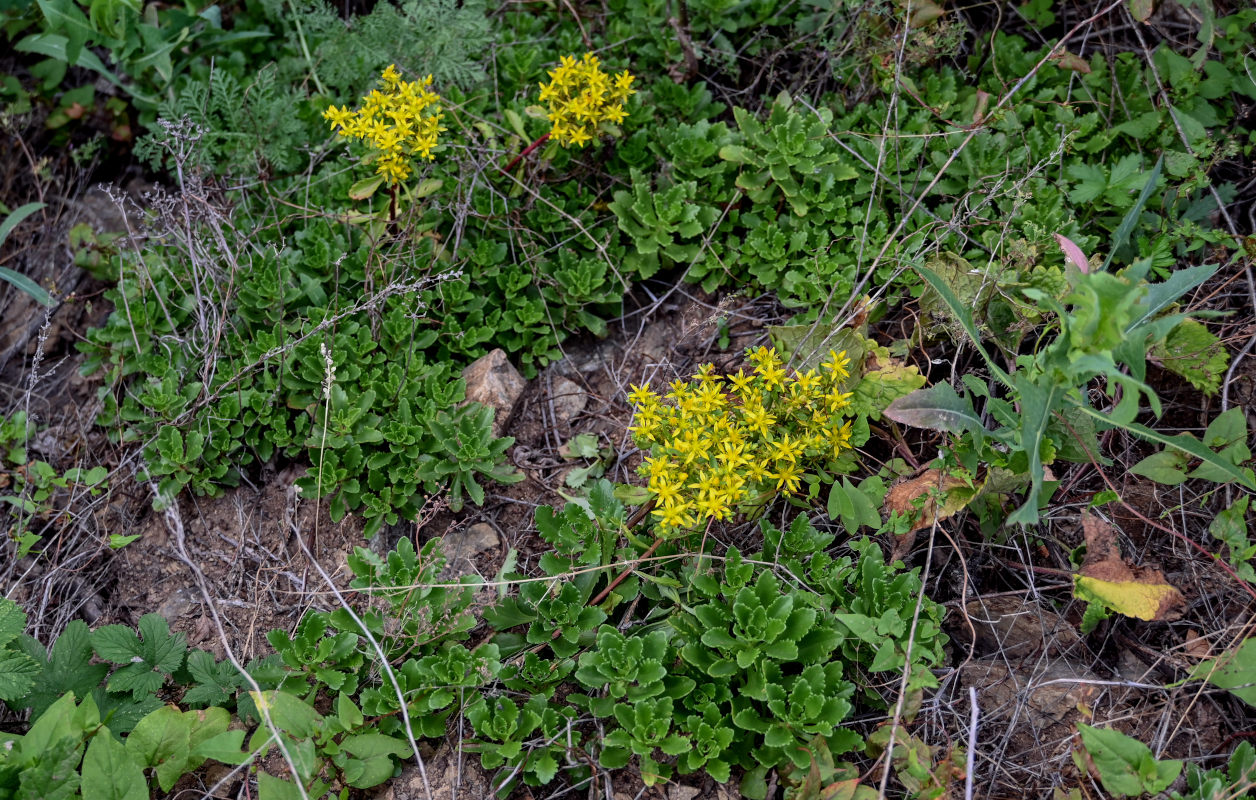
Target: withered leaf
<point>1105,578</point>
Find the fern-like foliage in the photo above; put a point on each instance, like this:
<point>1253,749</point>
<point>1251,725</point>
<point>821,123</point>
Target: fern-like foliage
<point>245,128</point>
<point>444,38</point>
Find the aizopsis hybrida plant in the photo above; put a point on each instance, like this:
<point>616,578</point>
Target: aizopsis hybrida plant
<point>720,445</point>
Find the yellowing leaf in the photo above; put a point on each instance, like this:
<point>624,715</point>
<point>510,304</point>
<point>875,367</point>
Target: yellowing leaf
<point>365,187</point>
<point>1105,579</point>
<point>1149,601</point>
<point>884,380</point>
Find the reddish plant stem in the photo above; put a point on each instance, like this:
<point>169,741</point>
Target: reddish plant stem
<point>633,522</point>
<point>610,587</point>
<point>526,152</point>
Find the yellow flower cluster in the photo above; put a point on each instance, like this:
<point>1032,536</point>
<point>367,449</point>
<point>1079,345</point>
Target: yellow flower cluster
<point>402,122</point>
<point>716,442</point>
<point>580,96</point>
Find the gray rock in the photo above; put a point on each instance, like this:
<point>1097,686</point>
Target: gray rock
<point>569,399</point>
<point>462,547</point>
<point>494,382</point>
<point>178,603</point>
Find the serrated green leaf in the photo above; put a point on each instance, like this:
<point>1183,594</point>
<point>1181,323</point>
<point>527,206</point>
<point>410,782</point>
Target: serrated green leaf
<point>1194,353</point>
<point>67,670</point>
<point>17,675</point>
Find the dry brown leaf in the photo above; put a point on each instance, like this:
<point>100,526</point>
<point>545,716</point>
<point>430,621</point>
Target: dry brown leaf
<point>903,497</point>
<point>1104,577</point>
<point>1071,61</point>
<point>1195,645</point>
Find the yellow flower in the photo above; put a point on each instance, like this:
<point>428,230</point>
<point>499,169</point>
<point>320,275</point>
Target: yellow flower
<point>759,420</point>
<point>785,450</point>
<point>402,122</point>
<point>580,96</point>
<point>734,438</point>
<point>665,492</point>
<point>841,439</point>
<point>772,373</point>
<point>836,401</point>
<point>788,477</point>
<point>741,382</point>
<point>338,117</point>
<point>714,506</point>
<point>673,517</point>
<point>757,472</point>
<point>807,382</point>
<point>764,356</point>
<point>641,395</point>
<point>836,365</point>
<point>707,483</point>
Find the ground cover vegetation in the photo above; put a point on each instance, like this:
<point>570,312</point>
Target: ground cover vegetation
<point>1004,255</point>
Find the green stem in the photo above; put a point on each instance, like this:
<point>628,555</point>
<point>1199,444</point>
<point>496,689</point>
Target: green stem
<point>305,51</point>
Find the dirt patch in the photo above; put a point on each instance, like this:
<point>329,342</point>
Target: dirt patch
<point>245,544</point>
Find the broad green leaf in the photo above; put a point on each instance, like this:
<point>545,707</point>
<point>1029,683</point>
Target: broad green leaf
<point>939,408</point>
<point>162,740</point>
<point>203,725</point>
<point>288,713</point>
<point>371,745</point>
<point>1235,671</point>
<point>110,772</point>
<point>1168,467</point>
<point>1126,766</point>
<point>1226,429</point>
<point>226,747</point>
<point>60,721</point>
<point>271,788</point>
